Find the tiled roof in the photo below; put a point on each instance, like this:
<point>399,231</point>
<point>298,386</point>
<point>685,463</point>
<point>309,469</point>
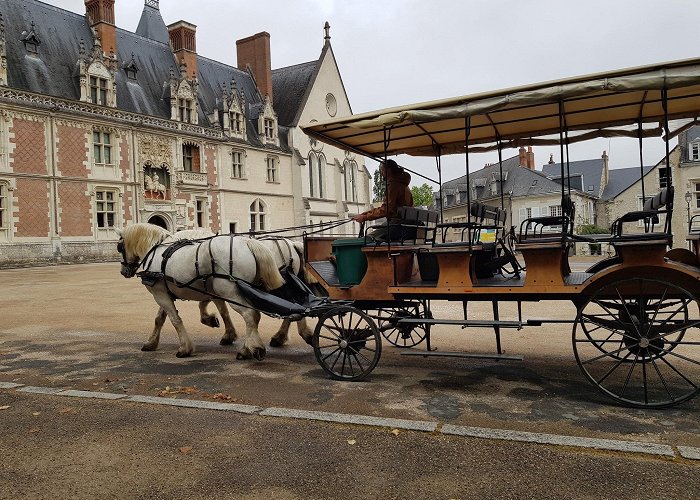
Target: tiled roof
<point>289,88</point>
<point>590,172</point>
<point>619,179</point>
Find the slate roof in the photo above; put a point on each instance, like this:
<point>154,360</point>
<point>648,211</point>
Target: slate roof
<point>520,181</point>
<point>53,70</point>
<point>619,179</point>
<point>290,87</point>
<point>151,25</point>
<point>590,171</point>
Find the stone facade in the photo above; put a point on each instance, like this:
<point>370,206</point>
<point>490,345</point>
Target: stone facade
<point>72,168</point>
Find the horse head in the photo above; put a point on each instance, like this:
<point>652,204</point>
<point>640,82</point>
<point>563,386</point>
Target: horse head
<point>135,242</point>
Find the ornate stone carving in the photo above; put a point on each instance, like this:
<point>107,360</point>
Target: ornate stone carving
<point>155,150</point>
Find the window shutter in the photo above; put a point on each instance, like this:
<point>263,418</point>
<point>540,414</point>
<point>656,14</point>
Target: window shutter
<point>522,213</point>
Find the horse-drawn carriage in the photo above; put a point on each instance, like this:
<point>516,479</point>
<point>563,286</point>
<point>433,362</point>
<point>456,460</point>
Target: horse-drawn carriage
<point>635,334</point>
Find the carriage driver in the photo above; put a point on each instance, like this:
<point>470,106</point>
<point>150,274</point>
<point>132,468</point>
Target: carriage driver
<point>397,194</point>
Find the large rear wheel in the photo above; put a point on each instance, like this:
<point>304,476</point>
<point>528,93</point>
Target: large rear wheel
<point>403,335</point>
<point>347,343</point>
<point>638,341</point>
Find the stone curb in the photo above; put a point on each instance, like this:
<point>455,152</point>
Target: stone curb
<point>581,442</point>
<point>343,418</point>
<point>188,403</point>
<point>9,385</point>
<point>689,452</point>
<point>91,394</point>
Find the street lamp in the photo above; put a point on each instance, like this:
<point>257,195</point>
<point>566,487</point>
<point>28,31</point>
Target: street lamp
<point>688,197</point>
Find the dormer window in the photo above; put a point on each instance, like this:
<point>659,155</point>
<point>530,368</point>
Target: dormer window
<point>694,151</point>
<point>30,40</point>
<point>98,90</point>
<point>269,129</point>
<point>236,121</point>
<point>130,68</point>
<point>185,110</point>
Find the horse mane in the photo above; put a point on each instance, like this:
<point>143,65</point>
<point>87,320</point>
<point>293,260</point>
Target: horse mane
<point>141,237</point>
<point>190,234</point>
<point>266,267</point>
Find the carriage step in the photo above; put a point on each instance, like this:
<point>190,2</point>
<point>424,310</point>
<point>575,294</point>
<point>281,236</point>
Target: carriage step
<point>464,322</point>
<point>505,357</point>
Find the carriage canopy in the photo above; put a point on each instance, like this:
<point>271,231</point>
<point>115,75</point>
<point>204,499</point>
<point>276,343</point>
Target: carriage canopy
<point>617,103</point>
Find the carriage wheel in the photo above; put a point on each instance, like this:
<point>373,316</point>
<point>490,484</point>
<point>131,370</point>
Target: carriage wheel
<point>638,341</point>
<point>403,335</point>
<point>347,343</point>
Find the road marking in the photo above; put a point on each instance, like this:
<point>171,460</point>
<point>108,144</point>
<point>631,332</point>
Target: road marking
<point>663,450</point>
<point>541,438</point>
<point>344,418</point>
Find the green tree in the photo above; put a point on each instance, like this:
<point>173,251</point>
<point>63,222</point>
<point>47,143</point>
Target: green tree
<point>379,186</point>
<point>422,195</point>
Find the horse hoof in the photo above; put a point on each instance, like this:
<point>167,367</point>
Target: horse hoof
<point>183,354</point>
<point>147,348</point>
<point>259,354</point>
<point>240,355</point>
<point>276,342</point>
<point>211,321</point>
<point>224,341</point>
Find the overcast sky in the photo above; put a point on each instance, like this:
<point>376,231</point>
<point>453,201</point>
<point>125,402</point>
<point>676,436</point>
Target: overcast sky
<point>396,52</point>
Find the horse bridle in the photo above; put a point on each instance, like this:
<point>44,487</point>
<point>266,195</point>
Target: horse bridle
<point>133,266</point>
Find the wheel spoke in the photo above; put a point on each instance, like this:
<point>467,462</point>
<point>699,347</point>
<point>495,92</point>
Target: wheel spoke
<point>644,378</point>
<point>627,311</point>
<point>629,374</point>
<point>619,362</point>
<point>663,381</point>
<point>605,354</point>
<point>678,372</point>
<point>656,311</point>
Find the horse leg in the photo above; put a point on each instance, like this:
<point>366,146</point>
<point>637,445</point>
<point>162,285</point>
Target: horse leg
<point>280,338</point>
<point>166,303</point>
<point>205,318</point>
<point>253,346</point>
<point>154,339</point>
<point>304,331</point>
<point>230,334</point>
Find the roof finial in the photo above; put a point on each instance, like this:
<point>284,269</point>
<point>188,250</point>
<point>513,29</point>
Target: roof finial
<point>327,29</point>
<point>153,3</point>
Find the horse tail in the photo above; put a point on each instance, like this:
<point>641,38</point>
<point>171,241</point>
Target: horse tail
<point>266,268</point>
<point>303,272</point>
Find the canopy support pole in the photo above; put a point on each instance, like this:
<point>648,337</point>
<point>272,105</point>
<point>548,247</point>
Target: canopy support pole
<point>561,149</point>
<point>500,172</point>
<point>467,130</point>
<point>641,162</point>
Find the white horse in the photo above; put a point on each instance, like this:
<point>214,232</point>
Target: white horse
<point>154,185</point>
<point>208,268</point>
<point>286,252</point>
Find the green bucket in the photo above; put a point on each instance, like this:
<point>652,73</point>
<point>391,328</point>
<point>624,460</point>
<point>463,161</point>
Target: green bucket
<point>350,262</point>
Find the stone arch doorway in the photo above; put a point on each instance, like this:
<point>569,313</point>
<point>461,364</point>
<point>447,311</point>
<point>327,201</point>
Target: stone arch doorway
<point>158,221</point>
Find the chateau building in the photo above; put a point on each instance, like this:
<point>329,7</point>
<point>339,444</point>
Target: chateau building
<point>101,127</point>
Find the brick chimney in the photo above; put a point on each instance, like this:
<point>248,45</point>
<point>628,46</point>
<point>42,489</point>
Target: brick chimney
<point>183,42</point>
<point>254,52</point>
<point>522,157</point>
<point>100,14</point>
<point>530,158</point>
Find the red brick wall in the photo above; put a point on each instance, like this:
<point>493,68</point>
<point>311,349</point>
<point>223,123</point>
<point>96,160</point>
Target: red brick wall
<point>212,174</point>
<point>124,159</point>
<point>71,151</point>
<point>33,208</point>
<point>126,205</point>
<point>75,217</point>
<point>29,155</point>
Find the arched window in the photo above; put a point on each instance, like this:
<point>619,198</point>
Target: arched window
<point>321,161</point>
<point>350,187</point>
<point>4,207</point>
<point>312,159</point>
<point>258,213</point>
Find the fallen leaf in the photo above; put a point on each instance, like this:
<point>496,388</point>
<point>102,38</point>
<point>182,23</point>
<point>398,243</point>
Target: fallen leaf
<point>222,396</point>
<point>33,430</point>
<point>4,407</point>
<point>185,450</point>
<point>95,383</point>
<point>395,432</point>
<point>351,441</point>
<point>36,413</point>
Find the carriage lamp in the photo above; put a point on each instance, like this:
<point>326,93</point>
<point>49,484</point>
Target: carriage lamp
<point>688,198</point>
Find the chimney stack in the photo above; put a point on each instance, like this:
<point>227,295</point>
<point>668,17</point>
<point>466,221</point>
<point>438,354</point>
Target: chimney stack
<point>100,14</point>
<point>551,159</point>
<point>183,42</point>
<point>254,52</point>
<point>522,157</point>
<point>530,158</point>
